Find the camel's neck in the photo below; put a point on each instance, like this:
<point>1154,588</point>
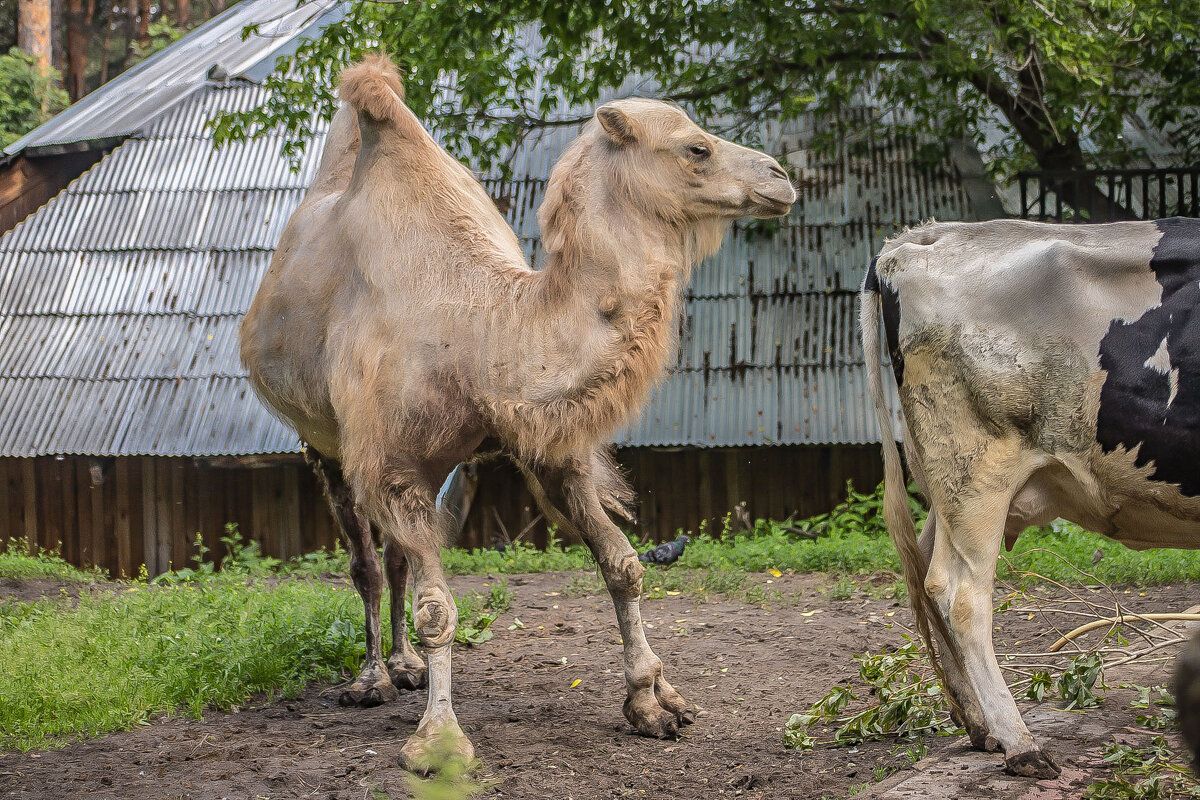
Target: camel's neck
<point>609,299</point>
<point>615,262</point>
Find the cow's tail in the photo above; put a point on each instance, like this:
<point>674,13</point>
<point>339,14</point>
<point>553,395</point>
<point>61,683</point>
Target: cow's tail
<point>896,512</point>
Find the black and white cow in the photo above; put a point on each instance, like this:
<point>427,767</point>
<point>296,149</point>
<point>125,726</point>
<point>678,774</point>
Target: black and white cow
<point>1044,371</point>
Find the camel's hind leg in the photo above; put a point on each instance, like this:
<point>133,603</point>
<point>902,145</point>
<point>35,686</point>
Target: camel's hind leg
<point>373,686</point>
<point>404,665</point>
<point>405,513</point>
<point>568,496</point>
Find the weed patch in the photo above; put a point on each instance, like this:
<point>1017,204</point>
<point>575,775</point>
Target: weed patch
<point>187,641</point>
<point>16,561</point>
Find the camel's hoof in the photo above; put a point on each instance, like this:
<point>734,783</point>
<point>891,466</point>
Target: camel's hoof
<point>408,678</point>
<point>674,703</point>
<point>368,692</point>
<point>1032,764</point>
<point>427,754</point>
<point>651,719</point>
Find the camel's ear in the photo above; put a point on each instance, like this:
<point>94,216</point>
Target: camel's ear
<point>620,127</point>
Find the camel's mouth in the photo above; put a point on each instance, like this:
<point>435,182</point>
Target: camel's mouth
<point>766,206</point>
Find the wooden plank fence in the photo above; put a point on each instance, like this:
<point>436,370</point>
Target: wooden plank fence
<point>120,513</point>
<point>682,488</point>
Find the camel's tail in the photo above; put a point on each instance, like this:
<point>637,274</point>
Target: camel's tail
<point>373,87</point>
<point>896,512</point>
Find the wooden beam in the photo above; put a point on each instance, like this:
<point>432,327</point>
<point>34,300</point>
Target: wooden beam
<point>122,523</point>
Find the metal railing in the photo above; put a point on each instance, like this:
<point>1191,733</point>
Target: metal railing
<point>1105,195</point>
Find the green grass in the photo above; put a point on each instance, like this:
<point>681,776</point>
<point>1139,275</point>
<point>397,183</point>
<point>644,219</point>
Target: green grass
<point>1071,550</point>
<point>117,658</point>
<point>16,562</point>
<point>180,644</point>
<point>852,540</point>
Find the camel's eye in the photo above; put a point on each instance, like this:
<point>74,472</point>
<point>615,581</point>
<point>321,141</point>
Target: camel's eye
<point>699,152</point>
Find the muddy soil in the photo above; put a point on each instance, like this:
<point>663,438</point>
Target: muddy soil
<point>538,736</point>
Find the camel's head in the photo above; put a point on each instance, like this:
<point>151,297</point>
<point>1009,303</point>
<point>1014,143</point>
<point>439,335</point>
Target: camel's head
<point>670,163</point>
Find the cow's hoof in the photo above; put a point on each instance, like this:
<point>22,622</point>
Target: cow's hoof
<point>1032,764</point>
<point>372,688</point>
<point>438,748</point>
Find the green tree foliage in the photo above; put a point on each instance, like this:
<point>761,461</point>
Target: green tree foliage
<point>1054,73</point>
<point>28,96</point>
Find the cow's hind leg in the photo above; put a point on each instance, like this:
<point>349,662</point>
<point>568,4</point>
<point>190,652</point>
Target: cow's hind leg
<point>957,684</point>
<point>961,577</point>
<point>568,496</point>
<point>404,665</point>
<point>373,686</point>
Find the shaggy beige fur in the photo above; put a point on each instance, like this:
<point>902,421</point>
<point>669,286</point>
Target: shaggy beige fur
<point>399,328</point>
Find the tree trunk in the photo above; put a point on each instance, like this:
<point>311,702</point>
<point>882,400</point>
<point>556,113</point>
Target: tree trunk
<point>56,38</point>
<point>33,30</point>
<point>183,13</point>
<point>1077,190</point>
<point>143,22</point>
<point>78,22</point>
<point>131,7</point>
<point>1055,152</point>
<point>106,45</point>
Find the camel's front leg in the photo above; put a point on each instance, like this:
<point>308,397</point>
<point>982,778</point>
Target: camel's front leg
<point>407,518</point>
<point>568,497</point>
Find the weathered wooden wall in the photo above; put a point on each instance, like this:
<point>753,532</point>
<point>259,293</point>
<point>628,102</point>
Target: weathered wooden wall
<point>26,184</point>
<point>120,513</point>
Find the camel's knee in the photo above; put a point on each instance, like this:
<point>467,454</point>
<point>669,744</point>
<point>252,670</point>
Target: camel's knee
<point>624,576</point>
<point>366,575</point>
<point>435,617</point>
<point>364,568</point>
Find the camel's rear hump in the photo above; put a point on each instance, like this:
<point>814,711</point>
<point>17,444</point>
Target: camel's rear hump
<point>374,88</point>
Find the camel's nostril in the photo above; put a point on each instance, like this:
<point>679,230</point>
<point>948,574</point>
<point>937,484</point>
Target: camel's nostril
<point>778,172</point>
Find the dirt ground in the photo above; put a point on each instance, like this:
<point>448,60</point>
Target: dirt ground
<point>537,737</point>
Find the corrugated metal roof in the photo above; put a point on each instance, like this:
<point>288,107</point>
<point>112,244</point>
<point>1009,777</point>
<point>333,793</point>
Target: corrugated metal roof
<point>120,299</point>
<point>128,102</point>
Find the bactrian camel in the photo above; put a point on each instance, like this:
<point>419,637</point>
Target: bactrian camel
<point>401,331</point>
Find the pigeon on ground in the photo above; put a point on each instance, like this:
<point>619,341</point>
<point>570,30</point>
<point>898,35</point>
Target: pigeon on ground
<point>667,552</point>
